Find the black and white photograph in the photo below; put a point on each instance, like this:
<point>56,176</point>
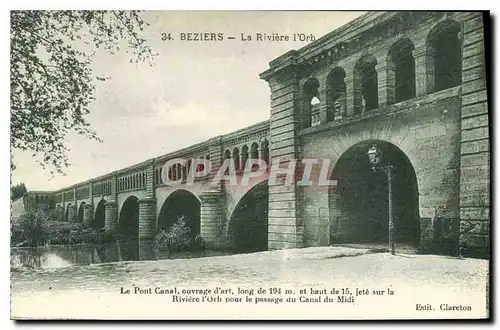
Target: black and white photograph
<point>250,165</point>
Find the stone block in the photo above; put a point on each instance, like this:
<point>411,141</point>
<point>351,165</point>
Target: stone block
<point>472,37</point>
<point>474,241</point>
<point>474,213</point>
<point>476,227</point>
<point>475,134</point>
<point>477,47</point>
<point>475,199</point>
<point>476,97</point>
<point>473,86</point>
<point>474,160</point>
<point>476,121</point>
<point>476,146</point>
<point>475,61</point>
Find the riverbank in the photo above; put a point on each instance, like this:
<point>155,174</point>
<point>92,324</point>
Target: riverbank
<point>95,291</point>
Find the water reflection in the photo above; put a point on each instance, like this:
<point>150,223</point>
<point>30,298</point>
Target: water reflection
<point>58,256</point>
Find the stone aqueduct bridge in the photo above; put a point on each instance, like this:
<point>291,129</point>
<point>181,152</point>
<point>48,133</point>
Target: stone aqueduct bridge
<point>414,84</point>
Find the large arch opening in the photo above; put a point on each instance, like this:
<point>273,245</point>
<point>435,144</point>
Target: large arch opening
<point>181,203</point>
<point>444,50</point>
<point>99,215</point>
<point>365,84</point>
<point>129,219</point>
<point>309,102</point>
<point>359,205</point>
<point>248,229</point>
<point>403,66</point>
<point>336,94</point>
<point>236,158</point>
<point>79,219</point>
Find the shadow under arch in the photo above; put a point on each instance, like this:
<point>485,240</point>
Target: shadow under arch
<point>248,227</point>
<point>99,216</point>
<point>129,219</point>
<point>180,203</point>
<point>359,204</point>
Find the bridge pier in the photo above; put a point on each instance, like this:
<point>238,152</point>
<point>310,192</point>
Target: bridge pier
<point>286,228</point>
<point>212,219</point>
<point>88,215</point>
<point>111,217</point>
<point>71,213</point>
<point>147,217</point>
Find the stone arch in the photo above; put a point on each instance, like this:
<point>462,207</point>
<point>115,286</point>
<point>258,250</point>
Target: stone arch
<point>184,171</point>
<point>236,158</point>
<point>359,204</point>
<point>170,174</point>
<point>128,221</point>
<point>254,151</point>
<point>181,203</point>
<point>244,156</point>
<point>248,225</point>
<point>79,217</point>
<point>335,94</point>
<point>227,155</point>
<point>365,84</point>
<point>99,216</point>
<point>400,82</point>
<point>444,55</point>
<point>309,92</point>
<point>264,151</point>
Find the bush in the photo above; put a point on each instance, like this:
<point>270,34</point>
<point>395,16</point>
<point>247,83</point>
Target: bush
<point>35,228</point>
<point>30,229</point>
<point>89,236</point>
<point>59,237</point>
<point>179,237</point>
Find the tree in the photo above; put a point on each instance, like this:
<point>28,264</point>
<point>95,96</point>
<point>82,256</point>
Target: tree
<point>52,83</point>
<point>31,229</point>
<point>17,191</point>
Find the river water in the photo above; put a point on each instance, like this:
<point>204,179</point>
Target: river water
<point>61,256</point>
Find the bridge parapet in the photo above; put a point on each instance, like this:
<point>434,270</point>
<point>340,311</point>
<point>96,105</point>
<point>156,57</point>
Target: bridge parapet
<point>102,188</point>
<point>248,143</point>
<point>132,181</point>
<point>82,192</point>
<point>41,200</point>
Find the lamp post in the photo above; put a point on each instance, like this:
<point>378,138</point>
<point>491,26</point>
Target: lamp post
<point>375,156</point>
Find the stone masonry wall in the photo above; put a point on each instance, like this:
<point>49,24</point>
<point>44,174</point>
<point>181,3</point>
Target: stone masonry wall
<point>475,146</point>
<point>285,229</point>
<point>428,135</point>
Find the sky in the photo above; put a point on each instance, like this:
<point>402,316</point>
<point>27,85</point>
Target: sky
<point>194,91</point>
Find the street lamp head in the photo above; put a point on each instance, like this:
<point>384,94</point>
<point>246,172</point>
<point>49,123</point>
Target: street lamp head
<point>374,155</point>
<point>315,100</point>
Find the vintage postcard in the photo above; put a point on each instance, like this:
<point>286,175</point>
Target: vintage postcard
<point>249,165</point>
